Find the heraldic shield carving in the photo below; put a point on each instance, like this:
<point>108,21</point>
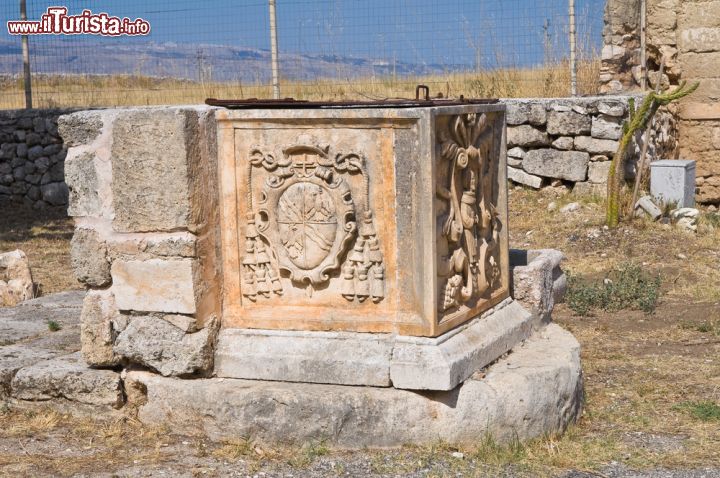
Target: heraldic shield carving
<point>306,221</point>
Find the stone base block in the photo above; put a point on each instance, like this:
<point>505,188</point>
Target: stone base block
<point>380,360</point>
<point>535,390</point>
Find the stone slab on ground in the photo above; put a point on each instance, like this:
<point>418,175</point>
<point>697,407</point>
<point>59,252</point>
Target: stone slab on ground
<point>70,378</point>
<point>25,338</point>
<point>535,390</point>
<point>380,360</point>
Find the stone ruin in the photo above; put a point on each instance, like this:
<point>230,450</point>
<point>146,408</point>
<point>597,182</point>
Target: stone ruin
<point>339,274</point>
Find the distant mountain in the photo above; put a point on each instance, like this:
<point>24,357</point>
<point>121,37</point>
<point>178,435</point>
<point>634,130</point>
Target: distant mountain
<point>193,61</point>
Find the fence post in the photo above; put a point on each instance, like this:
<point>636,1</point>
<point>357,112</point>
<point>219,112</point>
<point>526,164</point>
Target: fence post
<point>26,59</point>
<point>573,59</point>
<point>274,51</point>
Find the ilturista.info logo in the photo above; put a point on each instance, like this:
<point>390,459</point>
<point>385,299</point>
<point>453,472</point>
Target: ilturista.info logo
<point>56,21</point>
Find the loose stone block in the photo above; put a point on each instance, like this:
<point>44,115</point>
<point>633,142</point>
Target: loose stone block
<point>587,188</point>
<point>568,123</point>
<point>570,165</point>
<point>155,285</point>
<point>100,323</point>
<point>526,136</point>
<point>606,127</point>
<point>80,128</point>
<point>596,146</point>
<point>538,281</point>
<point>152,146</point>
<point>160,345</point>
<point>521,177</point>
<point>68,377</point>
<point>16,282</point>
<point>82,181</point>
<point>520,113</point>
<point>564,143</point>
<point>598,172</point>
<point>88,256</point>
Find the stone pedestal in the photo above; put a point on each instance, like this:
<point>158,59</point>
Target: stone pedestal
<point>334,256</point>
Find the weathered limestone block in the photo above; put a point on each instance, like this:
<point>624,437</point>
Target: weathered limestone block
<point>613,109</point>
<point>570,165</point>
<point>526,136</point>
<point>598,171</point>
<point>152,246</point>
<point>16,283</point>
<point>313,357</point>
<point>82,181</point>
<point>587,188</point>
<point>521,177</point>
<point>445,362</point>
<point>80,128</point>
<point>564,143</point>
<point>568,123</point>
<point>16,356</point>
<point>155,285</point>
<point>606,127</point>
<point>538,280</point>
<point>100,322</point>
<point>152,154</point>
<point>596,146</point>
<point>699,40</point>
<point>516,152</point>
<point>166,348</point>
<point>88,256</point>
<point>535,391</point>
<point>55,194</point>
<point>68,377</point>
<point>521,113</point>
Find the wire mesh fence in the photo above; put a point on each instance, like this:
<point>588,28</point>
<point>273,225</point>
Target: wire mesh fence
<point>328,49</point>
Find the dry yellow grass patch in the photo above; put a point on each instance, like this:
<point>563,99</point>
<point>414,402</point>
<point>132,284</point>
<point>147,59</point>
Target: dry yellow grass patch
<point>123,90</point>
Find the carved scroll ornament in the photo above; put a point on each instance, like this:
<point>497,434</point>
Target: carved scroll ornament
<point>471,226</point>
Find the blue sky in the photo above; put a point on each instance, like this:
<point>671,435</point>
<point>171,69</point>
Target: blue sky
<point>442,32</point>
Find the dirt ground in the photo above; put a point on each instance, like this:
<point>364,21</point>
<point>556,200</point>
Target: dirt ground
<point>652,380</point>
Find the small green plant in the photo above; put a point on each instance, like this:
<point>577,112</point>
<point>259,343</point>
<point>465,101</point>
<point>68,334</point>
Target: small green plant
<point>705,411</point>
<point>626,287</point>
<point>53,326</point>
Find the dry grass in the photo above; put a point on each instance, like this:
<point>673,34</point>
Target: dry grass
<point>119,90</point>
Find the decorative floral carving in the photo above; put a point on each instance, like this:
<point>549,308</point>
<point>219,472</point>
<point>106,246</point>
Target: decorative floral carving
<point>304,223</point>
<point>471,225</point>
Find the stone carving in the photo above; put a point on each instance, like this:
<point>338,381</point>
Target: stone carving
<point>469,259</point>
<point>305,222</point>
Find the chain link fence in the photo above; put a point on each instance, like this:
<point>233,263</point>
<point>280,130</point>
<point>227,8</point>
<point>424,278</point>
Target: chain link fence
<point>328,49</point>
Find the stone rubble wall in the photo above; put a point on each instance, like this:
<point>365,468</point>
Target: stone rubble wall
<point>573,140</point>
<point>687,34</point>
<point>142,186</point>
<point>32,157</point>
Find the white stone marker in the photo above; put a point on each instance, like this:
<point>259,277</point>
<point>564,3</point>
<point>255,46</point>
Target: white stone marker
<point>673,181</point>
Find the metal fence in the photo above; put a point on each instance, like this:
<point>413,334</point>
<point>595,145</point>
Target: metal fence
<point>328,49</point>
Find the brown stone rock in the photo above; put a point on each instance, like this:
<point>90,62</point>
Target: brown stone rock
<point>16,283</point>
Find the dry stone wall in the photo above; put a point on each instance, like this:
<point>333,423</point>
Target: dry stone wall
<point>32,157</point>
<point>687,34</point>
<point>573,140</point>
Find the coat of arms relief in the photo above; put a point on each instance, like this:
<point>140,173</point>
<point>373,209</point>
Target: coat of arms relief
<point>310,219</point>
<point>469,254</point>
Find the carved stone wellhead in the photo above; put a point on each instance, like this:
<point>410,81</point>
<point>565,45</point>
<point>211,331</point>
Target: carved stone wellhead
<point>362,219</point>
